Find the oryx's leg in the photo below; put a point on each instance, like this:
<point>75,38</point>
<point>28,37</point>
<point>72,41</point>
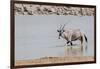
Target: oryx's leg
<point>68,42</point>
<point>70,39</point>
<point>81,40</point>
<point>71,43</point>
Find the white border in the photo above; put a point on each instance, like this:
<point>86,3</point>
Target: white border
<point>5,34</point>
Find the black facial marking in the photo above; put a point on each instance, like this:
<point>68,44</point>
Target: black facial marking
<point>57,30</point>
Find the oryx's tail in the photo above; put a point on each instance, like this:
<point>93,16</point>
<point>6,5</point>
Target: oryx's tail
<point>86,41</point>
<point>85,38</point>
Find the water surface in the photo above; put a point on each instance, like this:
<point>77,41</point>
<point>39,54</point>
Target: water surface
<point>37,36</point>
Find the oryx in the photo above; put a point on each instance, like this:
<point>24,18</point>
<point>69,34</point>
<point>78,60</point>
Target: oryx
<point>71,35</point>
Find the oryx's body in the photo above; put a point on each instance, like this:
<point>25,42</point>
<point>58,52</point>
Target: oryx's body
<point>71,35</point>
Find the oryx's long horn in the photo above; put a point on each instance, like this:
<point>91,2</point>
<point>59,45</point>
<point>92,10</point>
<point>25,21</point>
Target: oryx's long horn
<point>63,26</point>
<point>60,26</point>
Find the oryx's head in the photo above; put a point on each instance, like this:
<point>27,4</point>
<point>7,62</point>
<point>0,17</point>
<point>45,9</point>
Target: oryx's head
<point>61,30</point>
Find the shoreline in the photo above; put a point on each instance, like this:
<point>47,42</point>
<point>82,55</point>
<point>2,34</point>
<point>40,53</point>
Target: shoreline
<point>52,60</point>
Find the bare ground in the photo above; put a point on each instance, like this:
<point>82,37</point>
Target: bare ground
<point>50,60</point>
<point>35,9</point>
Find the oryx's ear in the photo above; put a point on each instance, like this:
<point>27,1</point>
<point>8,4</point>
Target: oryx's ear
<point>63,30</point>
<point>57,30</point>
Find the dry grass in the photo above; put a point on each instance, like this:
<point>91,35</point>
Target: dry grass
<point>50,60</point>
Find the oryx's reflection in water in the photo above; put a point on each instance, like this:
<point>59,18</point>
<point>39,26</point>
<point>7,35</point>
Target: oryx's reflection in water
<point>73,51</point>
